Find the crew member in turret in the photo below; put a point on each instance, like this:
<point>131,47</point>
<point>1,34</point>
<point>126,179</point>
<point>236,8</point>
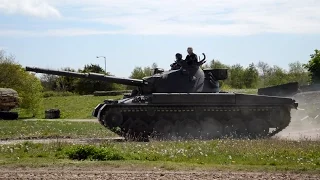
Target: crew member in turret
<point>191,58</point>
<point>176,64</point>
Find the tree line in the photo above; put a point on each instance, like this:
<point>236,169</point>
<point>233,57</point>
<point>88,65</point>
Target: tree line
<point>261,74</point>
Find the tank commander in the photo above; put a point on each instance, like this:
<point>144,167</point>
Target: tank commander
<point>176,64</point>
<point>191,58</point>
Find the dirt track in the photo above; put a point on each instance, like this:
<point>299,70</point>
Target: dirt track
<point>86,173</point>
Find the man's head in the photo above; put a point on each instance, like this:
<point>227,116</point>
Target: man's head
<point>178,56</point>
<point>190,50</point>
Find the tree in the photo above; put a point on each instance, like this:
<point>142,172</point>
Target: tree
<point>297,72</point>
<point>263,69</point>
<point>49,82</point>
<point>276,76</point>
<point>236,76</point>
<point>28,86</point>
<point>313,66</point>
<point>216,64</point>
<point>139,72</point>
<point>251,76</point>
<point>65,83</point>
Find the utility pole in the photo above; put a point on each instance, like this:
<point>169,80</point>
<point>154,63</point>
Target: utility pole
<point>105,63</point>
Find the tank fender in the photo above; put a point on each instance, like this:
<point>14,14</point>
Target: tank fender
<point>96,110</point>
<point>100,112</point>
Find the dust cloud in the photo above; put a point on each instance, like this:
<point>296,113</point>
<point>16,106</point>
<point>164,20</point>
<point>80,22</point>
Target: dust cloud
<point>305,122</point>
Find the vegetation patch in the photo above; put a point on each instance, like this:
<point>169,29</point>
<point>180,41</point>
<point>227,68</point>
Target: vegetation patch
<point>220,152</point>
<point>47,94</point>
<point>90,152</point>
<point>49,129</point>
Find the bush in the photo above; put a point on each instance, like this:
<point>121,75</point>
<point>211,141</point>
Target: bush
<point>89,152</point>
<point>47,94</point>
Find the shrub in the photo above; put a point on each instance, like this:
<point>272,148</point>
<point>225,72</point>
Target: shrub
<point>89,152</point>
<point>47,94</point>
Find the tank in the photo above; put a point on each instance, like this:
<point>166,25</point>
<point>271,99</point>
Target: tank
<point>308,97</point>
<point>9,100</point>
<point>186,103</point>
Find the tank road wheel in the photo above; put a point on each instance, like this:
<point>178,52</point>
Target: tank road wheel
<point>113,119</point>
<point>257,128</point>
<point>211,128</point>
<point>138,131</point>
<point>126,125</point>
<point>235,128</point>
<point>163,129</point>
<point>188,128</point>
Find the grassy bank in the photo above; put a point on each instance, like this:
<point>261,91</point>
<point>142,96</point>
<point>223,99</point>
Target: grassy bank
<point>51,129</point>
<point>71,107</point>
<point>266,154</point>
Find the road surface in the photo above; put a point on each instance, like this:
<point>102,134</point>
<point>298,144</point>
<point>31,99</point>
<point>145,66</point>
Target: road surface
<point>98,173</point>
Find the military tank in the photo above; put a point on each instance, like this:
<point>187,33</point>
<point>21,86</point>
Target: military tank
<point>186,103</point>
<point>9,99</point>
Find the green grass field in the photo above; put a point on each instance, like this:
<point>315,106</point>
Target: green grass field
<point>52,129</point>
<point>230,154</point>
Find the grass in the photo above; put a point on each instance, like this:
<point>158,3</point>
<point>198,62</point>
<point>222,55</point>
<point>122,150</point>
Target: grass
<point>245,91</point>
<point>71,107</point>
<point>237,154</point>
<point>50,129</point>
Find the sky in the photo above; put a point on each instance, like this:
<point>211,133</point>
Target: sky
<point>130,33</point>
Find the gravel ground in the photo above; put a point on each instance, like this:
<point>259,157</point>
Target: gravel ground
<point>126,175</point>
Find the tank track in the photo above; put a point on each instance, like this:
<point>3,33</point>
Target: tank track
<point>139,122</point>
<point>6,115</point>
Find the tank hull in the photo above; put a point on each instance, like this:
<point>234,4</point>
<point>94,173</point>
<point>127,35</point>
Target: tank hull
<point>196,115</point>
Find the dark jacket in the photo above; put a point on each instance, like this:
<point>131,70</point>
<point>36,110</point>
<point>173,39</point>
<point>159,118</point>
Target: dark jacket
<point>192,59</point>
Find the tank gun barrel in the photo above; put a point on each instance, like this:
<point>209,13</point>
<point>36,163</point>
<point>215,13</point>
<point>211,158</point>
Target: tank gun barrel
<point>93,76</point>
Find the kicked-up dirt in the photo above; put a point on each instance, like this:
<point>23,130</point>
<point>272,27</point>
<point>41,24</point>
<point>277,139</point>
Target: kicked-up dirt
<point>93,173</point>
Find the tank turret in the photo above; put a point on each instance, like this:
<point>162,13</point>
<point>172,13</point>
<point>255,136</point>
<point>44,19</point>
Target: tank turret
<point>187,103</point>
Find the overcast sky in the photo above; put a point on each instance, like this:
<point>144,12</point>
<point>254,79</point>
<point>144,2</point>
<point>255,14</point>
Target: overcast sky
<point>71,33</point>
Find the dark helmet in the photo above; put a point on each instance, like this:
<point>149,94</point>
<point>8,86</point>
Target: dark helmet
<point>179,56</point>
